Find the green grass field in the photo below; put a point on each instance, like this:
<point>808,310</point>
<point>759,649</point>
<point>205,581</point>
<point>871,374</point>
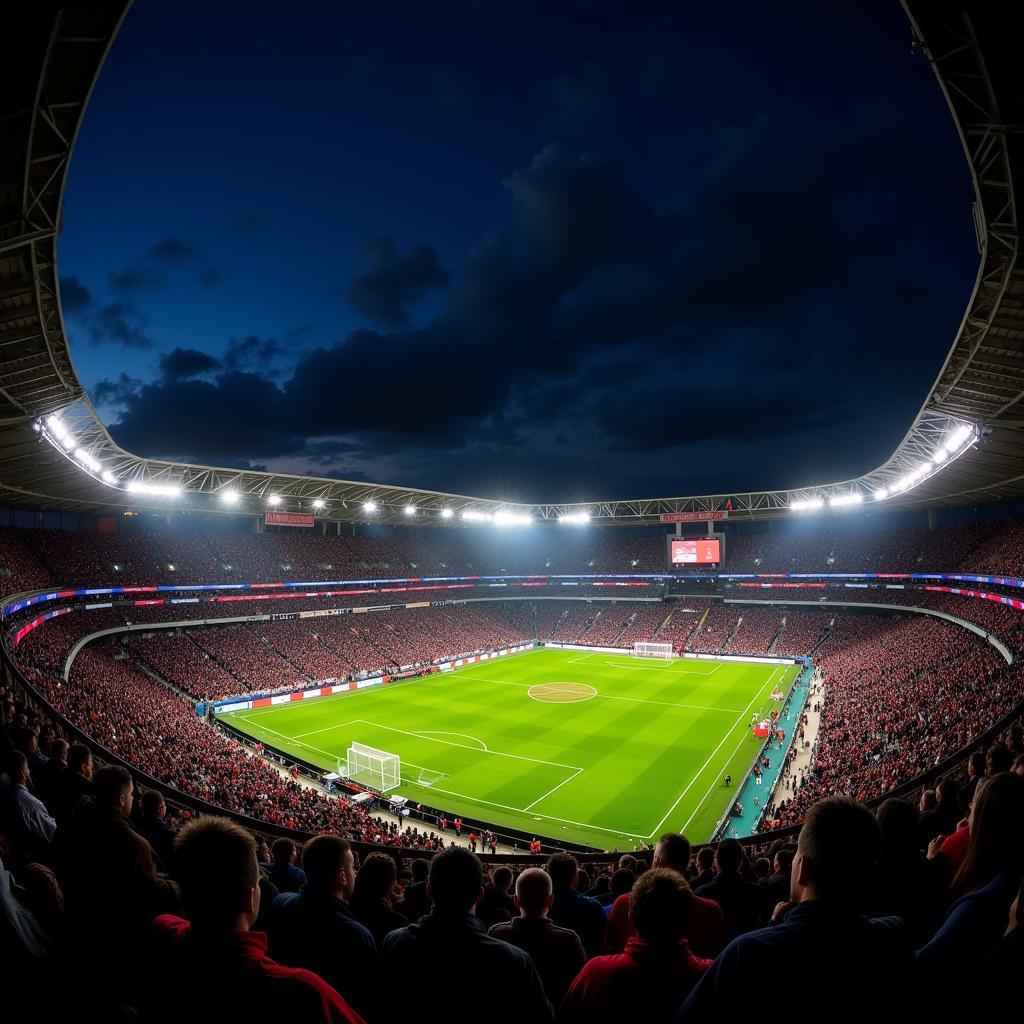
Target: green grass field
<point>600,749</point>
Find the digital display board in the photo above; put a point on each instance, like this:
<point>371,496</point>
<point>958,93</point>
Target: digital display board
<point>694,552</point>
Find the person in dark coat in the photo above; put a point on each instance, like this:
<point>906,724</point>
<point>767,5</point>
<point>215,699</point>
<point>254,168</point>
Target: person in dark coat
<point>154,828</point>
<point>571,909</point>
<point>742,902</point>
<point>448,951</point>
<point>373,897</point>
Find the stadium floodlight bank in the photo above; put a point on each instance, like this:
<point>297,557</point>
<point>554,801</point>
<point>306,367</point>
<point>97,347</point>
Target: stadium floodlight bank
<point>645,649</point>
<point>375,769</point>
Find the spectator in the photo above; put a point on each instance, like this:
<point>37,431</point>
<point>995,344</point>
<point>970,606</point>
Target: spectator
<point>819,932</point>
<point>994,984</point>
<point>32,821</point>
<point>373,897</point>
<point>705,928</point>
<point>941,817</point>
<point>49,775</point>
<point>987,880</point>
<point>705,866</point>
<point>224,962</point>
<point>656,972</point>
<point>742,902</point>
<point>975,773</point>
<point>315,928</point>
<point>72,785</point>
<point>777,883</point>
<point>415,902</point>
<point>571,909</point>
<point>998,759</point>
<point>282,870</point>
<point>497,905</point>
<point>448,951</point>
<point>557,953</point>
<point>154,828</point>
<point>621,885</point>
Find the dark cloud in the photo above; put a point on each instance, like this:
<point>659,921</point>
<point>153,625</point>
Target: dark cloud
<point>394,281</point>
<point>75,298</point>
<point>116,392</point>
<point>255,353</point>
<point>180,363</point>
<point>174,250</point>
<point>137,278</point>
<point>118,323</point>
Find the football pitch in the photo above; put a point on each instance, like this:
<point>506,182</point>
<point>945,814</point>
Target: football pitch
<point>604,750</point>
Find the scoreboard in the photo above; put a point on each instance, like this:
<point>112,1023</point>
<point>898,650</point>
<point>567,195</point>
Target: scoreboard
<point>694,552</point>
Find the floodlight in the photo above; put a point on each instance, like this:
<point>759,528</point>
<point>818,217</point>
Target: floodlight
<point>446,513</point>
<point>803,506</point>
<point>108,477</point>
<point>87,460</point>
<point>410,510</point>
<point>369,506</point>
<point>471,515</point>
<point>318,503</point>
<point>274,499</point>
<point>512,519</point>
<point>881,494</point>
<point>229,497</point>
<point>163,490</point>
<point>959,438</point>
<point>575,517</point>
<point>60,432</point>
<point>854,498</point>
<point>940,456</point>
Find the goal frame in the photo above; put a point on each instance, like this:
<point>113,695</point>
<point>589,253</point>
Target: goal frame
<point>650,649</point>
<point>367,766</point>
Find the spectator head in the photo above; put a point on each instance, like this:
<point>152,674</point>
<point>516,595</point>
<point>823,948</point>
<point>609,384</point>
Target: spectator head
<point>501,878</point>
<point>928,800</point>
<point>1018,765</point>
<point>706,858</point>
<point>976,765</point>
<point>998,759</point>
<point>628,862</point>
<point>673,852</point>
<point>262,849</point>
<point>622,882</point>
<point>112,786</point>
<point>729,856</point>
<point>837,848</point>
<point>897,821</point>
<point>18,768</point>
<point>996,825</point>
<point>784,859</point>
<point>420,869</point>
<point>215,862</point>
<point>283,851</point>
<point>80,760</point>
<point>947,793</point>
<point>582,880</point>
<point>154,807</point>
<point>534,893</point>
<point>659,907</point>
<point>375,879</point>
<point>456,881</point>
<point>563,869</point>
<point>329,866</point>
<point>762,868</point>
<point>59,750</point>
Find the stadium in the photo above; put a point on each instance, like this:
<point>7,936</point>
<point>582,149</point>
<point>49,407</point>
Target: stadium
<point>568,685</point>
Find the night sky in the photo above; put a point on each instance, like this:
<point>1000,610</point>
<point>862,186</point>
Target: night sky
<point>556,251</point>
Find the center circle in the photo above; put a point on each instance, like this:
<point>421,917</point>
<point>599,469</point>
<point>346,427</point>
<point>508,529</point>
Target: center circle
<point>561,693</point>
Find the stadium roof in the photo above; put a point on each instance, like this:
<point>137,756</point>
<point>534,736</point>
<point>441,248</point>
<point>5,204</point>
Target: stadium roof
<point>56,453</point>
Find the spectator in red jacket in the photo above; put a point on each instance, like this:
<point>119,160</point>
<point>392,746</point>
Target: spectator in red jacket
<point>226,965</point>
<point>706,926</point>
<point>656,972</point>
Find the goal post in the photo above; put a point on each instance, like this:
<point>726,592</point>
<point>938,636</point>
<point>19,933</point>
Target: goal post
<point>647,649</point>
<point>371,767</point>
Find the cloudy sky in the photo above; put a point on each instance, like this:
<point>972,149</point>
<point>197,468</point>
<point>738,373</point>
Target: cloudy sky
<point>519,250</point>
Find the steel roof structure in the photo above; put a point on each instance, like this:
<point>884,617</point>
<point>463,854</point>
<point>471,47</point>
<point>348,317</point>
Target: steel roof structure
<point>56,453</point>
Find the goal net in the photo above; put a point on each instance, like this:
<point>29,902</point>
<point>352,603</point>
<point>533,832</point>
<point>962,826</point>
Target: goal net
<point>371,767</point>
<point>646,649</point>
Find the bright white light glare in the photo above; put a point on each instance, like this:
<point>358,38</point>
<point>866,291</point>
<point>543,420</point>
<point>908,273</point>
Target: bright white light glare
<point>958,439</point>
<point>801,506</point>
<point>59,431</point>
<point>940,456</point>
<point>472,516</point>
<point>229,497</point>
<point>369,506</point>
<point>575,517</point>
<point>87,460</point>
<point>410,510</point>
<point>881,494</point>
<point>846,499</point>
<point>164,490</point>
<point>446,513</point>
<point>512,519</point>
<point>318,503</point>
<point>274,499</point>
<point>109,477</point>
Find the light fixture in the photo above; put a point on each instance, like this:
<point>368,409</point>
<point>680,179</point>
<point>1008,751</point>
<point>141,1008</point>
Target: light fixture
<point>318,503</point>
<point>229,497</point>
<point>410,510</point>
<point>575,517</point>
<point>854,498</point>
<point>881,494</point>
<point>274,499</point>
<point>162,490</point>
<point>803,506</point>
<point>369,506</point>
<point>446,513</point>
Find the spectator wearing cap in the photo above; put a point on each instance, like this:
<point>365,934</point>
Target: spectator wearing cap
<point>447,950</point>
<point>657,970</point>
<point>556,952</point>
<point>819,931</point>
<point>224,962</point>
<point>315,928</point>
<point>705,929</point>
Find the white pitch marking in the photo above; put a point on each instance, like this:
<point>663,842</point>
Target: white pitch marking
<point>550,791</point>
<point>426,733</point>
